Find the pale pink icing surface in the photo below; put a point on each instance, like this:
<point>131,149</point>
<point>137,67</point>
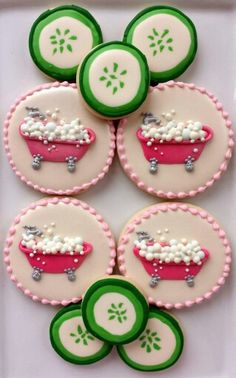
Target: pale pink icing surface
<point>53,178</point>
<point>172,181</point>
<point>181,220</point>
<point>71,216</point>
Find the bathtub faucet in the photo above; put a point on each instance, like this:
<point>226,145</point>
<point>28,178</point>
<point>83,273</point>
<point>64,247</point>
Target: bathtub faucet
<point>34,112</point>
<point>150,118</point>
<point>142,235</point>
<point>33,230</point>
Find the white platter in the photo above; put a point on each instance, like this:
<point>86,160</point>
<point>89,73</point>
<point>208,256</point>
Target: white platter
<point>210,328</point>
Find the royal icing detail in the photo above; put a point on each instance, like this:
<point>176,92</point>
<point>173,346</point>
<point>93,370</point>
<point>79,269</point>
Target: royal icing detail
<point>64,149</point>
<point>114,310</point>
<point>168,39</point>
<point>168,244</point>
<point>159,346</point>
<point>60,38</point>
<point>55,239</point>
<point>182,149</point>
<point>170,260</point>
<point>113,79</point>
<point>72,341</point>
<point>50,253</point>
<point>50,138</point>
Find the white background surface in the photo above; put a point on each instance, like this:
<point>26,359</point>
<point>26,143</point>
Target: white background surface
<point>210,328</point>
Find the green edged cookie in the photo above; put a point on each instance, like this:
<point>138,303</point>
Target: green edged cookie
<point>71,340</point>
<point>114,310</point>
<point>60,38</point>
<point>113,79</point>
<point>159,346</point>
<point>168,39</point>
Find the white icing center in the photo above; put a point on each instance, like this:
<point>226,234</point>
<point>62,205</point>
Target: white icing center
<point>69,327</point>
<point>178,32</point>
<point>102,314</point>
<point>79,47</point>
<point>130,80</point>
<point>175,251</point>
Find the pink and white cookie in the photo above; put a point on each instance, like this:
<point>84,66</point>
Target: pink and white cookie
<point>178,143</point>
<point>63,148</point>
<point>177,253</point>
<point>56,247</point>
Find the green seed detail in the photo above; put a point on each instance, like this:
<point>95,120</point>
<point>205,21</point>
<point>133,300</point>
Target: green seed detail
<point>150,341</point>
<point>160,41</point>
<point>113,78</point>
<point>61,41</point>
<point>82,336</point>
<point>117,311</point>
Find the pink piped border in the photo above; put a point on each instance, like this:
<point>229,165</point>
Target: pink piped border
<point>165,207</point>
<point>76,189</point>
<point>171,195</point>
<point>55,201</point>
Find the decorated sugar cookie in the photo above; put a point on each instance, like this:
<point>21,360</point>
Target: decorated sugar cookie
<point>114,310</point>
<point>63,148</point>
<point>159,346</point>
<point>113,79</point>
<point>168,39</point>
<point>71,340</point>
<point>178,143</point>
<point>176,252</point>
<point>60,38</point>
<point>56,248</point>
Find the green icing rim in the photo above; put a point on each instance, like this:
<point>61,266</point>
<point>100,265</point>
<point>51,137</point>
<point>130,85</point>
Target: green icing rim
<point>122,287</point>
<point>171,323</point>
<point>66,314</point>
<point>74,11</point>
<point>87,94</point>
<point>183,65</point>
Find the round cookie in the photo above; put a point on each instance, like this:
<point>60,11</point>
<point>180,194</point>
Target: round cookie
<point>60,38</point>
<point>158,348</point>
<point>71,340</point>
<point>168,39</point>
<point>56,247</point>
<point>178,143</point>
<point>113,79</point>
<point>63,148</point>
<point>177,254</point>
<point>114,310</point>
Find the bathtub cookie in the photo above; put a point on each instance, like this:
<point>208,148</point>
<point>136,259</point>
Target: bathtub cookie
<point>168,39</point>
<point>158,348</point>
<point>60,38</point>
<point>56,248</point>
<point>178,143</point>
<point>176,252</point>
<point>114,310</point>
<point>113,79</point>
<point>63,148</point>
<point>71,340</point>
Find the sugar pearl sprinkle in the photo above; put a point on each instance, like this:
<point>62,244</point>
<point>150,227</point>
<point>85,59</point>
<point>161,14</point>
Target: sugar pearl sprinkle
<point>173,251</point>
<point>53,128</point>
<point>170,129</point>
<point>50,243</point>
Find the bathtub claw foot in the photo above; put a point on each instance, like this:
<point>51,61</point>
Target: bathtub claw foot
<point>153,167</point>
<point>190,281</point>
<point>71,163</point>
<point>70,274</point>
<point>36,162</point>
<point>154,281</point>
<point>36,274</point>
<point>189,165</point>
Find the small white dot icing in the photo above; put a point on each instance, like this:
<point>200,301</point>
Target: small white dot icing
<point>80,44</point>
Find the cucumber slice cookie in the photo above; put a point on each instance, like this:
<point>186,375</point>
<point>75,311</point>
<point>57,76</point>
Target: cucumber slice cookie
<point>114,310</point>
<point>60,38</point>
<point>168,39</point>
<point>71,340</point>
<point>159,346</point>
<point>113,79</point>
